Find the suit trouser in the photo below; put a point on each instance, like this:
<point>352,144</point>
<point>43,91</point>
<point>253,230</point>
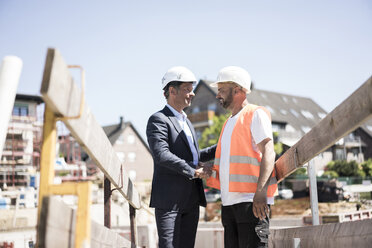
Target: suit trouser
<point>177,229</point>
<point>242,229</point>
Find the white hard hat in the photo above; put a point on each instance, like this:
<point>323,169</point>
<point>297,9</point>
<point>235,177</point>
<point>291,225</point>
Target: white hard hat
<point>179,74</point>
<point>234,74</point>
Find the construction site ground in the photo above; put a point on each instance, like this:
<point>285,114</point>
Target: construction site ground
<point>301,207</point>
<point>297,208</point>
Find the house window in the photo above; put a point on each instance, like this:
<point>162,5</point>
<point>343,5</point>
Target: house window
<point>131,139</point>
<point>195,110</point>
<point>294,112</point>
<point>340,154</point>
<point>121,156</point>
<point>212,106</point>
<point>132,175</point>
<point>285,98</point>
<point>305,129</point>
<point>321,115</point>
<point>278,126</point>
<point>283,111</point>
<point>289,128</point>
<point>307,114</point>
<point>271,110</point>
<point>20,110</point>
<point>120,140</point>
<point>131,157</point>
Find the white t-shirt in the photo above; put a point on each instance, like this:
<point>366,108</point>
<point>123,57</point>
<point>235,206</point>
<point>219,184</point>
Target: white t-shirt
<point>260,130</point>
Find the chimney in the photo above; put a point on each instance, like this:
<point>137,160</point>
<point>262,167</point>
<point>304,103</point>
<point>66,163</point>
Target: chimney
<point>121,123</point>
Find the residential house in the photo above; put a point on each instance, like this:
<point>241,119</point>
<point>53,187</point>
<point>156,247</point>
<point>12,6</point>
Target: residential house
<point>292,117</point>
<point>131,149</point>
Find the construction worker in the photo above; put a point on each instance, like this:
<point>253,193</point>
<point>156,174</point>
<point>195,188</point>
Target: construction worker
<point>177,188</point>
<point>244,163</point>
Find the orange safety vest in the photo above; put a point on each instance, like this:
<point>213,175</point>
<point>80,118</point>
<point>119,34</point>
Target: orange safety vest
<point>244,161</point>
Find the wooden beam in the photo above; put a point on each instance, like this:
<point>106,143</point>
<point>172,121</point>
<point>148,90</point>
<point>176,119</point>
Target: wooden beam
<point>62,96</point>
<point>345,118</point>
<point>346,234</point>
<point>54,231</point>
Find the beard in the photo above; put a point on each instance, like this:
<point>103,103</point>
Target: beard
<point>227,102</point>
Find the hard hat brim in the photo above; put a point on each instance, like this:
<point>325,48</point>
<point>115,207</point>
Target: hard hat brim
<point>215,85</point>
<point>193,83</point>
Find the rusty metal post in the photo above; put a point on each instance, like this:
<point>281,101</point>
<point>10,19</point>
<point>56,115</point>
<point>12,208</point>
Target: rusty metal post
<point>107,202</point>
<point>133,226</point>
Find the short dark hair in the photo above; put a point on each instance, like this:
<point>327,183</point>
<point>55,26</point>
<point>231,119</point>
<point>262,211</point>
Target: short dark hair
<point>174,84</point>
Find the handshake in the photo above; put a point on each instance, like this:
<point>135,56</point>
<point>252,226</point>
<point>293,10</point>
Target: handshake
<point>203,171</point>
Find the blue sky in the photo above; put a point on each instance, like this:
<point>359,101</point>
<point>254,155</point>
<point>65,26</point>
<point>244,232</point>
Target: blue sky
<point>317,49</point>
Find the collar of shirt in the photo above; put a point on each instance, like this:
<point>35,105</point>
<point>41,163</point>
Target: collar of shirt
<point>180,116</point>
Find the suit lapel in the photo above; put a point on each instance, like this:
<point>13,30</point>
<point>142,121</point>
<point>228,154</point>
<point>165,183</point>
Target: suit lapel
<point>176,125</point>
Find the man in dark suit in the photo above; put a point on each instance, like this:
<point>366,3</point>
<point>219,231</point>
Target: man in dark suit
<point>177,188</point>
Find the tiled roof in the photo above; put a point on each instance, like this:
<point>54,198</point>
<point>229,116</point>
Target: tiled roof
<point>32,98</point>
<point>367,127</point>
<point>113,132</point>
<point>302,113</point>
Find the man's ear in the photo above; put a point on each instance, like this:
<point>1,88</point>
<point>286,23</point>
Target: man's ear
<point>172,90</point>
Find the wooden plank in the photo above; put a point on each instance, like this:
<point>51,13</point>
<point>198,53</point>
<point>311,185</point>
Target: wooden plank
<point>345,118</point>
<point>63,96</point>
<point>58,232</point>
<point>347,234</point>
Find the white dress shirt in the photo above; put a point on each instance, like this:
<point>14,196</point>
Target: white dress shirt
<point>181,118</point>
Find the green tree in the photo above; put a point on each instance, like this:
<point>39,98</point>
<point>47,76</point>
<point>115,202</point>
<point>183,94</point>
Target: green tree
<point>330,174</point>
<point>367,167</point>
<point>278,146</point>
<point>211,134</point>
<point>300,172</point>
<point>345,169</point>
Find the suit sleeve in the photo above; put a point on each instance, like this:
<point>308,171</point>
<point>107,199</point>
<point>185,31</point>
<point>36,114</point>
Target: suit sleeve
<point>157,136</point>
<point>208,153</point>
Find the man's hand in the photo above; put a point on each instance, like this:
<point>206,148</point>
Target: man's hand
<point>260,208</point>
<point>203,171</point>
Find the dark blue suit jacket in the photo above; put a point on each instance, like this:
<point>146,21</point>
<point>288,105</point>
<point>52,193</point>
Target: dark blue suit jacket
<point>172,186</point>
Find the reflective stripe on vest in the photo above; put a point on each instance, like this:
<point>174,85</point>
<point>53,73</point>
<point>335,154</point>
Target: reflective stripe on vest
<point>249,179</point>
<point>240,160</point>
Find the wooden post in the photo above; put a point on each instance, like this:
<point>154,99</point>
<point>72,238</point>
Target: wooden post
<point>63,96</point>
<point>133,226</point>
<point>83,228</point>
<point>313,192</point>
<point>47,161</point>
<point>48,154</point>
<point>107,202</point>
